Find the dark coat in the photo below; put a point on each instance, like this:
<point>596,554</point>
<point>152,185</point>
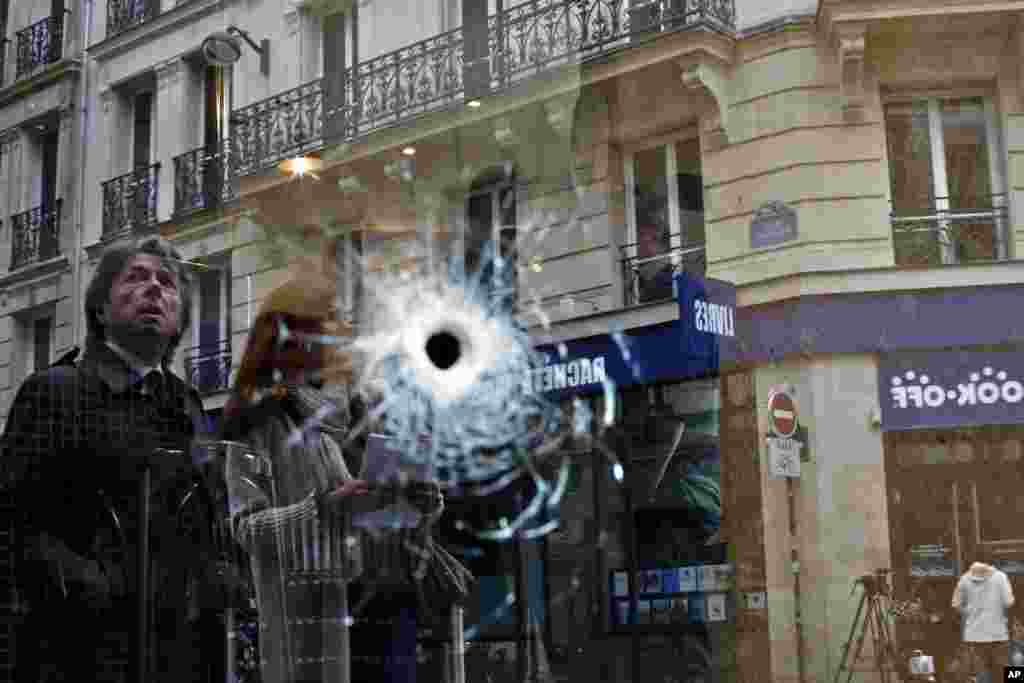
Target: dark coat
<point>74,442</point>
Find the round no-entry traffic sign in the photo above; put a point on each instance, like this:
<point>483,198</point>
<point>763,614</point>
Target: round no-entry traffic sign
<point>782,414</point>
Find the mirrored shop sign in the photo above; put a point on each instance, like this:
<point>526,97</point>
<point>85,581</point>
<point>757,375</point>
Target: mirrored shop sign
<point>951,389</point>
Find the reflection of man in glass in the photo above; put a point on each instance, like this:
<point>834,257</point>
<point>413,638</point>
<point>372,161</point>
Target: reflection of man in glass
<point>76,435</point>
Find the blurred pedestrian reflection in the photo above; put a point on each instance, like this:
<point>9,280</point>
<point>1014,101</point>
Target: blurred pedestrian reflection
<point>291,515</point>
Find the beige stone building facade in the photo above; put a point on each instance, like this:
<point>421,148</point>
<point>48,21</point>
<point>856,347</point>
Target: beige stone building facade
<point>853,170</point>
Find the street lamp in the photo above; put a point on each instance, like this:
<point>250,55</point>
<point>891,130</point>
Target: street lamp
<point>224,48</point>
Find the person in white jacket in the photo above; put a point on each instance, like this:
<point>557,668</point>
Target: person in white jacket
<point>984,597</point>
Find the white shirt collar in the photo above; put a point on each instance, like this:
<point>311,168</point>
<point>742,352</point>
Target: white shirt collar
<point>134,362</point>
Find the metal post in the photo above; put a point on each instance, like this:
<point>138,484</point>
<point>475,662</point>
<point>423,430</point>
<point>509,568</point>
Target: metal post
<point>345,665</point>
<point>631,551</point>
<point>142,590</point>
<point>231,637</point>
<point>142,558</point>
<point>458,663</point>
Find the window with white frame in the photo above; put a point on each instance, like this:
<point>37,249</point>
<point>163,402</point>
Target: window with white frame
<point>665,218</point>
<point>946,180</point>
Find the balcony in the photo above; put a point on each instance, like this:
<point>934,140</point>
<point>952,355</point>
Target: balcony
<point>38,45</point>
<point>279,127</point>
<point>208,367</point>
<point>125,14</point>
<point>199,180</point>
<point>647,279</point>
<point>951,230</point>
<point>428,76</point>
<point>129,201</point>
<point>35,235</point>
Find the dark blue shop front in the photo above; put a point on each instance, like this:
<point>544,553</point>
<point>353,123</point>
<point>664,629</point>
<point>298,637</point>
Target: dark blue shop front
<point>671,581</point>
<point>691,347</point>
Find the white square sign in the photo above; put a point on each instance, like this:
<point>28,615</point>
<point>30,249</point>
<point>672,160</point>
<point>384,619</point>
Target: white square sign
<point>756,600</point>
<point>784,458</point>
<point>716,607</point>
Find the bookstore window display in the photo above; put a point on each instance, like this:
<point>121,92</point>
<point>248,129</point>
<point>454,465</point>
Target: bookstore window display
<point>675,595</point>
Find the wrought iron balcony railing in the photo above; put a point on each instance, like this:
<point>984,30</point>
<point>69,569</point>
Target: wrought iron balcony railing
<point>431,75</point>
<point>208,367</point>
<point>938,233</point>
<point>276,128</point>
<point>533,36</point>
<point>200,181</point>
<point>39,45</point>
<point>35,235</point>
<point>652,278</point>
<point>124,14</point>
<point>129,200</point>
<point>396,86</point>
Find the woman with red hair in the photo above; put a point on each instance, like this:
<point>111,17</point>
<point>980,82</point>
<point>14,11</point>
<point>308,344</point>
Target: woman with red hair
<point>290,404</point>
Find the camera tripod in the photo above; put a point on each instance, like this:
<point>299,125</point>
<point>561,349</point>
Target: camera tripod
<point>872,620</point>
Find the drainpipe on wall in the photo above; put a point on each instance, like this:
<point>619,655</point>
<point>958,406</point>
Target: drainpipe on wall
<point>83,107</point>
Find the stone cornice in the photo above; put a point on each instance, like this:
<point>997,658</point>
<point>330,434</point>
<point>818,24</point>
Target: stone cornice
<point>169,73</point>
<point>833,12</point>
<point>33,274</point>
<point>321,8</point>
<point>29,86</point>
<point>699,44</point>
<point>171,20</point>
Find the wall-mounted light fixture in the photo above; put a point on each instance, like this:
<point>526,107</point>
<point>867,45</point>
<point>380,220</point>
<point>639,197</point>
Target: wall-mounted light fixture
<point>302,166</point>
<point>224,48</point>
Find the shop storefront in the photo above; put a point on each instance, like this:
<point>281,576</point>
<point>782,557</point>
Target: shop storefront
<point>954,447</point>
<point>635,576</point>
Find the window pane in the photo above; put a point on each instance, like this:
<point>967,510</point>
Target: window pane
<point>999,507</point>
<point>967,167</point>
<point>963,132</point>
<point>143,123</point>
<point>507,207</point>
<point>910,157</point>
<point>912,183</point>
<point>652,267</point>
<point>691,192</point>
<point>480,223</point>
<point>41,343</point>
<point>507,230</point>
<point>209,310</point>
<point>650,167</point>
